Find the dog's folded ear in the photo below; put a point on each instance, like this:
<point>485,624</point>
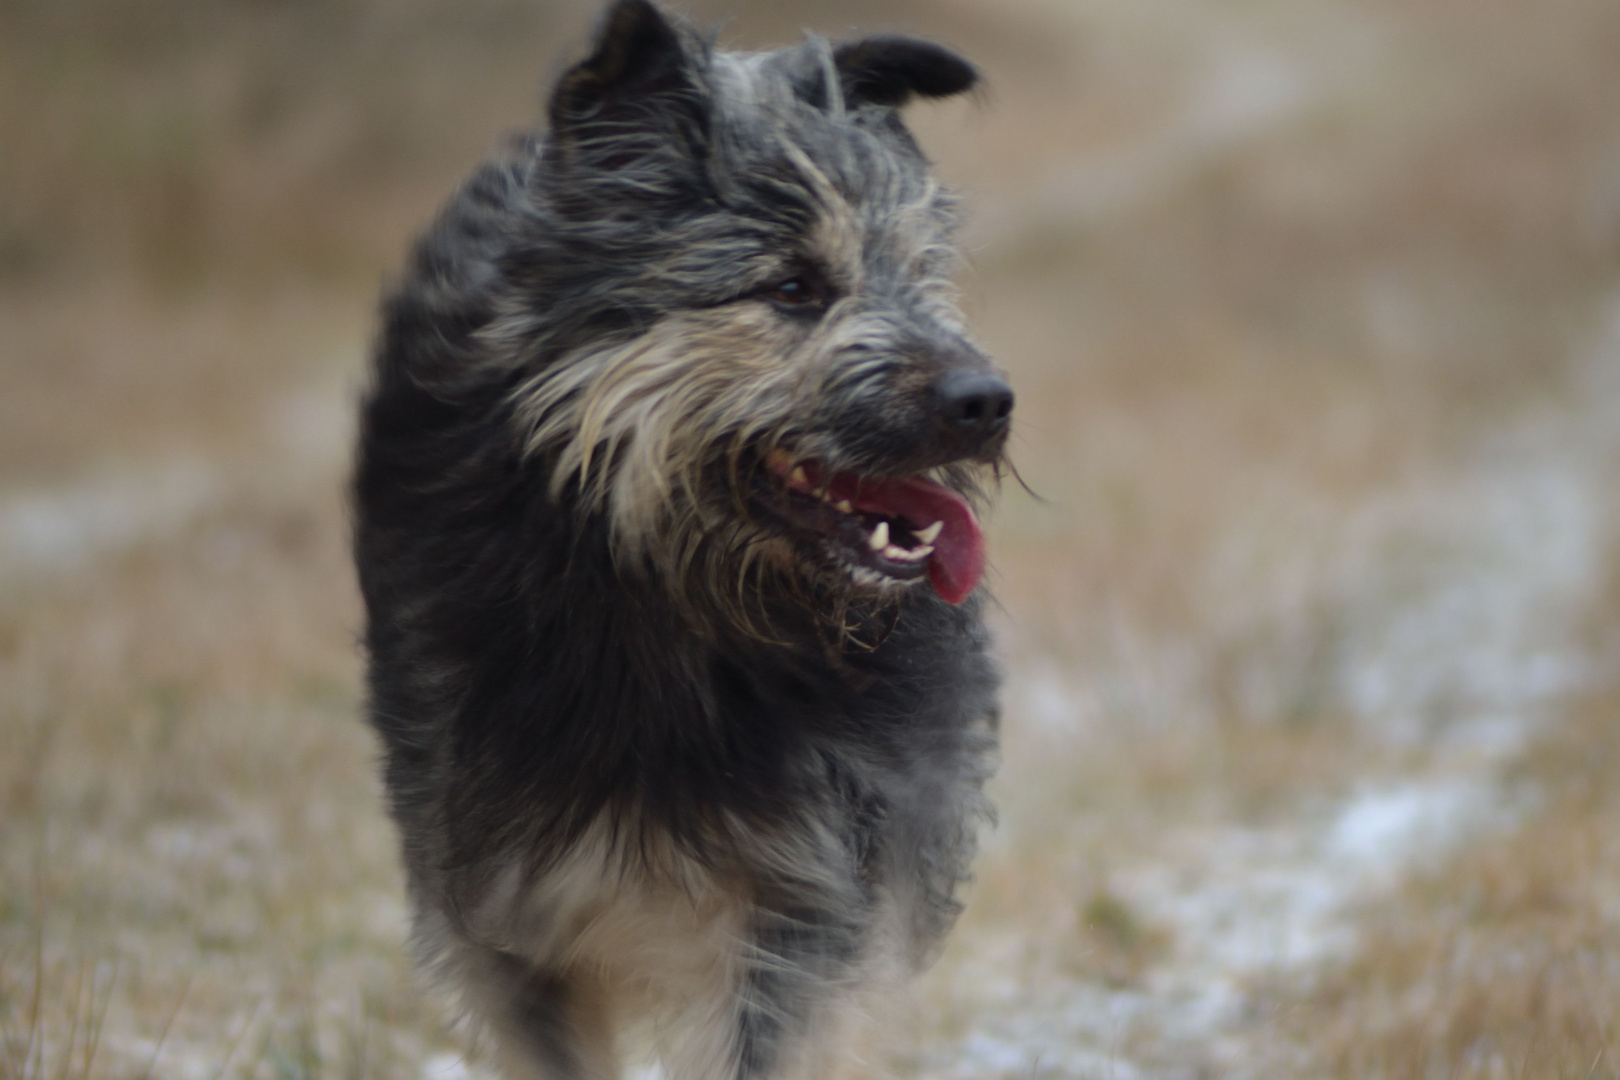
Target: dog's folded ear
<point>642,77</point>
<point>888,69</point>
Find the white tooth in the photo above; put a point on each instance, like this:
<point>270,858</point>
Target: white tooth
<point>922,552</point>
<point>930,534</point>
<point>880,537</point>
<point>798,475</point>
<point>844,507</point>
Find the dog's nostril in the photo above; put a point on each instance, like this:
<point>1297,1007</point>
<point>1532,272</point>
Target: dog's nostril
<point>975,402</point>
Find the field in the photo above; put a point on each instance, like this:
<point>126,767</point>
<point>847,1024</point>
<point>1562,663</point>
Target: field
<point>1310,616</point>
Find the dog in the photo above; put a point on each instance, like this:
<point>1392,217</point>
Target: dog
<point>665,523</point>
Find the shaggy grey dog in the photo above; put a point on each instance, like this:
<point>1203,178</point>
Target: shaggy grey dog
<point>666,532</point>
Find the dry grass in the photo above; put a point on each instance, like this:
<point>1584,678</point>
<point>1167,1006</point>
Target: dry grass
<point>197,854</point>
<point>1501,960</point>
<point>1307,305</point>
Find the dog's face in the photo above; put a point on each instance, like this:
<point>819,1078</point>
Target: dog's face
<point>743,348</point>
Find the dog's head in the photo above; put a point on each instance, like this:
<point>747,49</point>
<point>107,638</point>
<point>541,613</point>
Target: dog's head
<point>742,346</point>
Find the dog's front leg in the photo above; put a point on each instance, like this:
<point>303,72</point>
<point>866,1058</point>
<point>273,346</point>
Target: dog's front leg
<point>547,1026</point>
<point>802,956</point>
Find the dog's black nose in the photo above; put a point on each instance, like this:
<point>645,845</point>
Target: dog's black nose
<point>975,405</point>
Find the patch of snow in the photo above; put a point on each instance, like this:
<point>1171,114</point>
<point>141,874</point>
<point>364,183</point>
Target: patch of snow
<point>1381,832</point>
<point>121,506</point>
<point>1082,1035</point>
<point>1050,703</point>
<point>62,528</point>
<point>1467,623</point>
<point>446,1067</point>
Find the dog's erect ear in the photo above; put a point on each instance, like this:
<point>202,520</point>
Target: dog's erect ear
<point>641,76</point>
<point>888,69</point>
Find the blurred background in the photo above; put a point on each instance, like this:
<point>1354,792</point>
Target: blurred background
<point>1313,309</point>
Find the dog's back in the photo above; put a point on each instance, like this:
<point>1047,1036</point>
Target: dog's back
<point>665,532</point>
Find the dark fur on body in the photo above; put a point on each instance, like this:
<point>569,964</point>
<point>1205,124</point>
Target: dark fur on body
<point>657,754</point>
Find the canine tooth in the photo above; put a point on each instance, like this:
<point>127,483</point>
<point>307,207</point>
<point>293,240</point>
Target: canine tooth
<point>930,534</point>
<point>798,475</point>
<point>844,506</point>
<point>880,537</point>
<point>922,552</point>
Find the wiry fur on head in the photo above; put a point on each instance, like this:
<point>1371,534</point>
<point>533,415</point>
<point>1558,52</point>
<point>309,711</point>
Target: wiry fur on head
<point>652,380</point>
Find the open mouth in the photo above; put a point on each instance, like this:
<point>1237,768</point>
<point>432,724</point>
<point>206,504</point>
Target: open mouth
<point>898,529</point>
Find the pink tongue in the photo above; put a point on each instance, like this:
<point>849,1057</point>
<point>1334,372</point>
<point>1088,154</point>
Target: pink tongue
<point>958,559</point>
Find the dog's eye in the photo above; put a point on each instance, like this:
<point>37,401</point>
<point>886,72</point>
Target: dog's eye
<point>792,291</point>
<point>796,292</point>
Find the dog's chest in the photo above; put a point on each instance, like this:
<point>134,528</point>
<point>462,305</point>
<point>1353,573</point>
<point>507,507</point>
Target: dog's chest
<point>657,928</point>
